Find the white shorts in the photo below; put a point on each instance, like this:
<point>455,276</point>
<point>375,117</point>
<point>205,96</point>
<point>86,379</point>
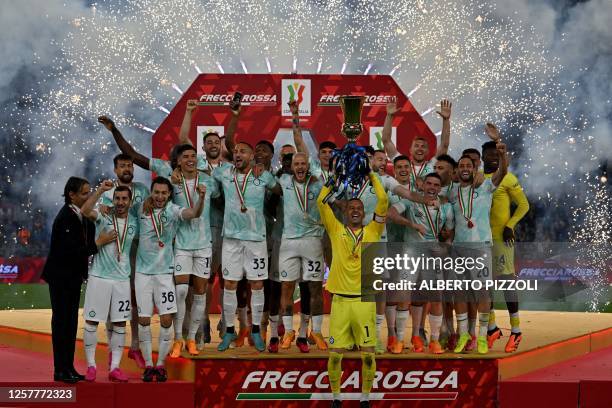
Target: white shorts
<point>301,258</point>
<point>192,262</point>
<point>155,289</point>
<point>273,274</point>
<point>217,242</point>
<point>240,258</point>
<point>106,298</point>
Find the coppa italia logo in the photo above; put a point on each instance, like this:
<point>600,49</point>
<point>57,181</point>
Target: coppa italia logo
<point>376,137</point>
<point>313,385</point>
<point>296,90</point>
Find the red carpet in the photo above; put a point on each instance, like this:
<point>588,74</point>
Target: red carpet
<point>20,368</point>
<point>583,381</point>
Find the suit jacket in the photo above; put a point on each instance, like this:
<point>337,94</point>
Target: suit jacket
<point>72,242</point>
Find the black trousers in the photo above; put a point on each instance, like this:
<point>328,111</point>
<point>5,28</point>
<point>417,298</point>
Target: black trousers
<point>65,298</point>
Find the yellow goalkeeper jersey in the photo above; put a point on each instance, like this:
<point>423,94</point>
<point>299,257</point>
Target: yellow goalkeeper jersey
<point>509,191</point>
<point>345,272</point>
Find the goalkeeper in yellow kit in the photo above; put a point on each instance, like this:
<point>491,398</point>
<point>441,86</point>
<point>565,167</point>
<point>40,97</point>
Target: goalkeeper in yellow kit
<point>352,322</point>
<point>503,222</point>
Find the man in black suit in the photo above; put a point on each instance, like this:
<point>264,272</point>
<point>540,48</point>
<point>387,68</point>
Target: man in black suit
<point>72,242</point>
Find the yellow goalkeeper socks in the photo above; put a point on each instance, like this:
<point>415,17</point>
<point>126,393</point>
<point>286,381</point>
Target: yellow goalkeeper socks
<point>368,370</point>
<point>334,371</point>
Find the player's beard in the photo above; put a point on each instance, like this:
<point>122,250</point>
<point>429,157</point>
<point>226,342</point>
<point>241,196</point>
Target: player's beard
<point>126,178</point>
<point>211,154</point>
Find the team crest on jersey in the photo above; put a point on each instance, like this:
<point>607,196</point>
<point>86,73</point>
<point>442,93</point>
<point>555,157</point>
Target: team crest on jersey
<point>311,195</point>
<point>331,340</point>
<point>257,181</point>
<point>138,199</point>
<point>163,218</point>
<point>131,230</point>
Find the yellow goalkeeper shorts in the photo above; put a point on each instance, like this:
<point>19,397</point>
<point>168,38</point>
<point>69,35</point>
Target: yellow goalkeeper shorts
<point>352,322</point>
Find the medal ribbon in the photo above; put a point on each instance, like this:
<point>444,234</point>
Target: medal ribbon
<point>186,188</point>
<point>158,225</point>
<point>435,228</point>
<point>302,199</point>
<point>462,207</point>
<point>325,175</point>
<point>415,174</point>
<point>356,238</point>
<point>242,189</point>
<point>120,241</point>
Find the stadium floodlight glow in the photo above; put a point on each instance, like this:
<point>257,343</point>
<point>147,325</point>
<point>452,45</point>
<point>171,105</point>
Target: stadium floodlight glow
<point>166,111</point>
<point>244,68</point>
<point>367,69</point>
<point>198,70</point>
<point>268,65</point>
<point>220,67</point>
<point>143,127</point>
<point>176,88</point>
<point>413,91</point>
<point>343,67</point>
<point>319,66</point>
<point>395,68</point>
<point>603,179</point>
<point>428,111</point>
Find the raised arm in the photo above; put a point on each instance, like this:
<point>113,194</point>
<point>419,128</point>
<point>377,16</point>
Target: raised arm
<point>195,212</point>
<point>230,142</point>
<point>124,146</point>
<point>297,131</point>
<point>502,170</point>
<point>327,215</point>
<point>390,148</point>
<point>382,201</point>
<point>445,114</point>
<point>192,105</point>
<point>88,207</point>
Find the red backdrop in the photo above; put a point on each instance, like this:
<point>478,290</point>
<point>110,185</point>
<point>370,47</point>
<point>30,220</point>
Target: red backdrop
<point>265,98</point>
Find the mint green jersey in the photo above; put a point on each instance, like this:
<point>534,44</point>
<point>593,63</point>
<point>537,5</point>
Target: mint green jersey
<point>195,233</point>
<point>151,257</point>
<point>317,170</point>
<point>164,169</point>
<point>139,193</point>
<point>108,263</point>
<point>217,205</point>
<point>368,197</point>
<point>395,232</point>
<point>296,224</point>
<point>480,232</point>
<point>420,171</point>
<point>249,225</point>
<point>433,220</point>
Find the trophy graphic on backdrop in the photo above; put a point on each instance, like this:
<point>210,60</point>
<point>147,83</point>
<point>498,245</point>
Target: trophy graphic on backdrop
<point>350,164</point>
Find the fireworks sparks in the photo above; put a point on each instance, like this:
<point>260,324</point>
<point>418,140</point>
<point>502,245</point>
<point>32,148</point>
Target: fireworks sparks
<point>132,60</point>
